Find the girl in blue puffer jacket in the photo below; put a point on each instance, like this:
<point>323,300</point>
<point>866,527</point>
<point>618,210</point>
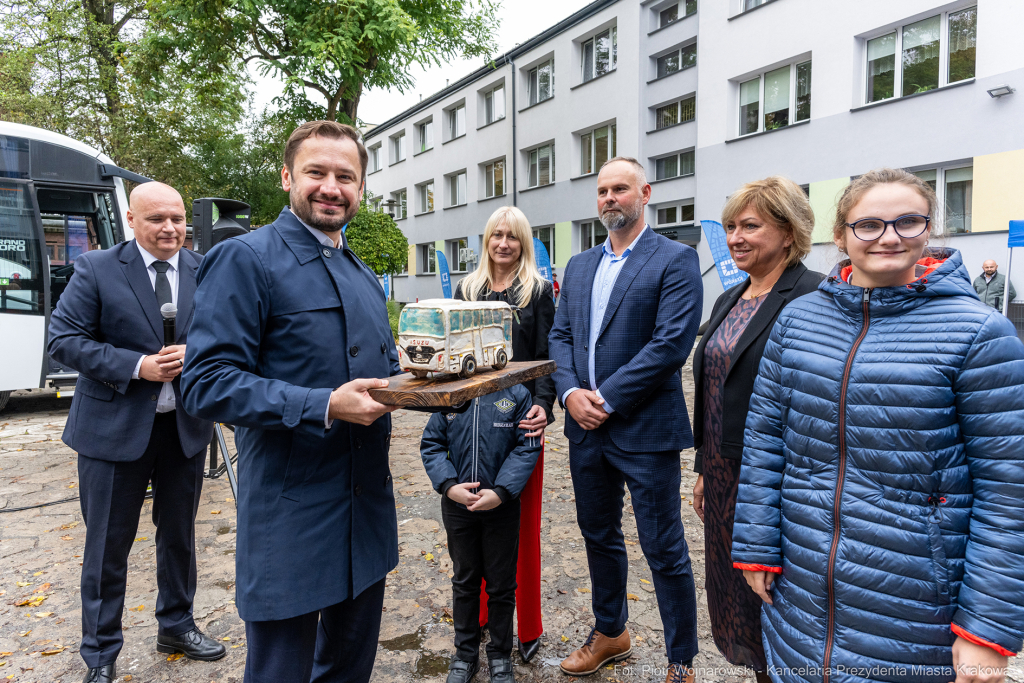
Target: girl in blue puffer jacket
<point>880,513</point>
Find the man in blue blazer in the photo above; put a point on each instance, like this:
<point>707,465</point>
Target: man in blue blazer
<point>128,426</point>
<point>291,331</point>
<point>627,320</point>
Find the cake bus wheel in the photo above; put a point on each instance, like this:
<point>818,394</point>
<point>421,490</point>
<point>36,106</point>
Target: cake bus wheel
<point>468,367</point>
<point>500,360</point>
<point>419,374</point>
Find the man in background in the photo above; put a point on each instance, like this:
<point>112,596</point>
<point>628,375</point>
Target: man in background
<point>129,429</point>
<point>991,285</point>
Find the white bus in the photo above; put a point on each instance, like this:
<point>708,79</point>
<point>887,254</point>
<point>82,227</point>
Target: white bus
<point>58,199</point>
<point>452,336</point>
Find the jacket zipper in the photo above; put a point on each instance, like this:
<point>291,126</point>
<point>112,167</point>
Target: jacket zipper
<point>476,438</point>
<point>830,628</point>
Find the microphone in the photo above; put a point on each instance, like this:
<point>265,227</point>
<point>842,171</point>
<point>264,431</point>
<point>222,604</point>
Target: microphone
<point>169,312</point>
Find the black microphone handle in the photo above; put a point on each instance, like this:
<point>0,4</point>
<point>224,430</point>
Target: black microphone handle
<point>168,331</point>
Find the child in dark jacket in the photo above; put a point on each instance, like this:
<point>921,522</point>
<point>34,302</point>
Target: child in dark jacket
<point>479,461</point>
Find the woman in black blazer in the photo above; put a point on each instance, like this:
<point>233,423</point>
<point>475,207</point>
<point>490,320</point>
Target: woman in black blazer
<point>768,226</point>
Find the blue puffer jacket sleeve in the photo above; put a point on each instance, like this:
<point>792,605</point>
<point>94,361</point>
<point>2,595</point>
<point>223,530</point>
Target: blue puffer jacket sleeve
<point>757,533</point>
<point>990,409</point>
<point>434,452</point>
<point>519,464</point>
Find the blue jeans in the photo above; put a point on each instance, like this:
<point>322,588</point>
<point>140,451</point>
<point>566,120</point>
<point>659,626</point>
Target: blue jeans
<point>599,471</point>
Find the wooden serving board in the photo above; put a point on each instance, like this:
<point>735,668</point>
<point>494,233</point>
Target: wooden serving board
<point>452,390</point>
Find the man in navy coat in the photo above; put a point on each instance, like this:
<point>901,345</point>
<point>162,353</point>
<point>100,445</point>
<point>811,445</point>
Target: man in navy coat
<point>291,331</point>
<point>128,426</point>
<point>627,320</point>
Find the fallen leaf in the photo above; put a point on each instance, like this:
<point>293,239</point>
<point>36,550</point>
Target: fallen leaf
<point>564,639</point>
<point>175,657</point>
<point>31,602</point>
<point>226,638</point>
<point>137,609</point>
<point>644,581</point>
<point>127,677</point>
<point>70,525</point>
<point>630,596</point>
<point>67,538</point>
<point>214,512</point>
<point>22,584</point>
<point>44,614</point>
<point>71,486</point>
<point>142,538</point>
<point>628,542</point>
<point>37,574</point>
<point>56,651</point>
<point>25,633</point>
<point>3,663</point>
<point>583,590</point>
<point>561,592</point>
<point>429,556</point>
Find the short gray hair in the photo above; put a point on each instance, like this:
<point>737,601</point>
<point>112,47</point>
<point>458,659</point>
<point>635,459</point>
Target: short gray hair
<point>638,169</point>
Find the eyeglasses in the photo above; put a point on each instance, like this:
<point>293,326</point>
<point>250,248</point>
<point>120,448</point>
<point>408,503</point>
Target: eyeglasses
<point>907,227</point>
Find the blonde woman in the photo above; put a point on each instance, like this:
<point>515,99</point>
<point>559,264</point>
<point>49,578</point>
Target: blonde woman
<point>508,272</point>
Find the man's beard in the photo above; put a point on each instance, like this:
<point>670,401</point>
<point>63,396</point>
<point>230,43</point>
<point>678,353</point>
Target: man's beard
<point>625,217</point>
<point>303,208</point>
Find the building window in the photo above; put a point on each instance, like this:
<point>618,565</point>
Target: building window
<point>494,104</point>
<point>458,255</point>
<point>374,158</point>
<point>457,122</point>
<point>596,147</point>
<point>494,179</point>
<point>677,60</point>
<point>542,81</point>
<point>784,95</point>
<point>676,214</point>
<point>920,47</point>
<point>425,133</point>
<point>399,210</point>
<point>426,199</point>
<point>672,13</point>
<point>599,54</point>
<point>542,166</point>
<point>592,233</point>
<point>674,166</point>
<point>751,4</point>
<point>547,238</point>
<point>682,111</point>
<point>954,188</point>
<point>428,259</point>
<point>457,189</point>
<point>398,148</point>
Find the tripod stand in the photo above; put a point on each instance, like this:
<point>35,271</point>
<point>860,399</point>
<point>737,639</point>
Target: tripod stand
<point>216,470</point>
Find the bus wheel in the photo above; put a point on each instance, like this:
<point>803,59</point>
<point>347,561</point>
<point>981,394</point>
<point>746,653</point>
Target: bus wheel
<point>500,360</point>
<point>4,395</point>
<point>419,374</point>
<point>468,367</point>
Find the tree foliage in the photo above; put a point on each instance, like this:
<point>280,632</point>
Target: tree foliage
<point>376,239</point>
<point>326,51</point>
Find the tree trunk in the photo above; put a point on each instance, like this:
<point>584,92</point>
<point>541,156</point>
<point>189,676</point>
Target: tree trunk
<point>102,39</point>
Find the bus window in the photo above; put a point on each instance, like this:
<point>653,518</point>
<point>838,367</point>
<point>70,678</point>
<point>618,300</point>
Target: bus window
<point>476,319</point>
<point>455,318</point>
<point>422,321</point>
<point>507,320</point>
<point>13,157</point>
<point>21,263</point>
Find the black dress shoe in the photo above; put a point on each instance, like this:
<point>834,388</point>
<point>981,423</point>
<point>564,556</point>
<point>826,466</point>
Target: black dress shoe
<point>501,670</point>
<point>460,671</point>
<point>528,649</point>
<point>101,674</point>
<point>193,644</point>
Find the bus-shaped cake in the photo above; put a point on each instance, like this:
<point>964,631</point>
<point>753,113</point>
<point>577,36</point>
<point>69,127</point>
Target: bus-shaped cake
<point>452,336</point>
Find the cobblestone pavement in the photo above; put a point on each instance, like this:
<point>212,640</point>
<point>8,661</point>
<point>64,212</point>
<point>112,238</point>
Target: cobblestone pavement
<point>40,553</point>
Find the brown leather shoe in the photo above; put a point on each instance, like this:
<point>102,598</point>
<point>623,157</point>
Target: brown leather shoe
<point>677,673</point>
<point>596,652</point>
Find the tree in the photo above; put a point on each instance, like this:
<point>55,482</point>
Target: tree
<point>332,49</point>
<point>376,239</point>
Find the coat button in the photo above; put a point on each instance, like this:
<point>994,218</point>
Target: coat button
<point>387,480</point>
<point>584,347</point>
<point>354,351</point>
<point>359,443</point>
<point>153,397</point>
<point>383,347</point>
<point>327,253</point>
<point>359,489</point>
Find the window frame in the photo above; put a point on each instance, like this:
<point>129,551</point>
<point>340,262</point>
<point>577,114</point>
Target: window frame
<point>677,52</point>
<point>944,55</point>
<point>533,82</point>
<point>490,189</point>
<point>678,156</point>
<point>550,146</point>
<point>428,259</point>
<point>588,234</point>
<point>793,107</point>
<point>941,183</point>
<point>421,197</point>
<point>453,254</point>
<point>373,154</point>
<point>456,189</point>
<point>678,208</point>
<point>451,122</point>
<point>613,61</point>
<point>425,145</point>
<point>588,144</point>
<point>550,243</point>
<point>398,151</point>
<point>678,104</point>
<point>489,109</point>
<point>402,206</point>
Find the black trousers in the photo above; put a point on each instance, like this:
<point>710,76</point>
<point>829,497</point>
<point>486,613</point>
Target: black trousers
<point>112,494</point>
<point>334,645</point>
<point>482,545</point>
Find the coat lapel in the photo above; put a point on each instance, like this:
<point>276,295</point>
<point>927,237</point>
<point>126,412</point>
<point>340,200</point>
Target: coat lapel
<point>589,273</point>
<point>640,255</point>
<point>186,291</point>
<point>724,305</point>
<point>135,271</point>
<point>767,311</point>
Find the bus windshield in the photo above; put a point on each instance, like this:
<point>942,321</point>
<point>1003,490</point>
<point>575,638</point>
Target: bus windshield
<point>21,264</point>
<point>422,321</point>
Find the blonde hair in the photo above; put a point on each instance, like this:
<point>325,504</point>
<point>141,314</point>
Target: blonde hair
<point>781,202</point>
<point>528,278</point>
<point>856,190</point>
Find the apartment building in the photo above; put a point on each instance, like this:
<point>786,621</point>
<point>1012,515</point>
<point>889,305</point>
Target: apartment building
<point>817,91</point>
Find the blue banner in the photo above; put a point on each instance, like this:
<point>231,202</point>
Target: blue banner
<point>387,286</point>
<point>446,278</point>
<point>540,254</point>
<point>1016,234</point>
<point>727,270</point>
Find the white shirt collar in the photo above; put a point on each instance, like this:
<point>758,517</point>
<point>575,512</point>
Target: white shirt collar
<point>608,244</point>
<point>150,259</point>
<point>321,236</point>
